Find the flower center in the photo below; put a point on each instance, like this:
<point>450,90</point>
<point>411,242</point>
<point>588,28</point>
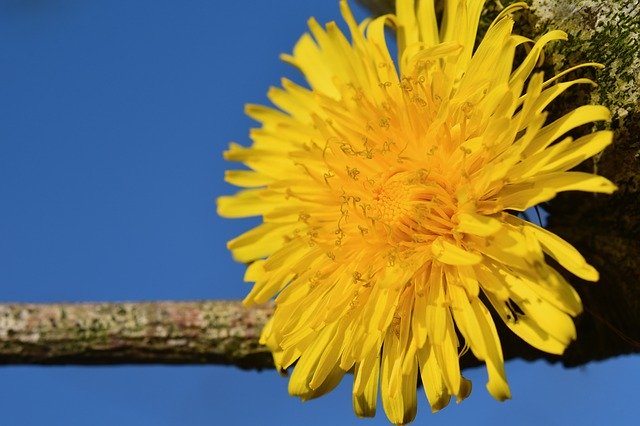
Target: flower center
<point>392,201</point>
<point>412,206</point>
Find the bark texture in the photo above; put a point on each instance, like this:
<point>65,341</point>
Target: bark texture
<point>213,332</point>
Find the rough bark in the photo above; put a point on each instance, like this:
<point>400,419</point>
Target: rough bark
<point>211,332</point>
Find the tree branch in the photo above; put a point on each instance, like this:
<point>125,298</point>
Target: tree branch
<point>213,332</point>
<point>209,332</point>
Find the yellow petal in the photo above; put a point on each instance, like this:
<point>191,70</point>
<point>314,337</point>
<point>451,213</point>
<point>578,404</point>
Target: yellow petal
<point>292,100</point>
<point>526,328</point>
<point>264,290</point>
<point>246,178</point>
<point>511,246</point>
<point>460,24</point>
<point>365,384</point>
<point>555,290</point>
<point>550,93</point>
<point>332,380</point>
<point>447,357</point>
<point>577,117</point>
<point>244,203</point>
<point>436,311</point>
<point>564,253</point>
<point>452,254</point>
<point>574,181</point>
<point>432,382</point>
<point>493,53</point>
<point>311,62</point>
<point>407,25</point>
<point>380,314</point>
<point>397,275</point>
<point>551,319</point>
<point>304,369</point>
<point>328,361</point>
<point>466,278</point>
<point>522,197</point>
<point>398,393</point>
<point>419,324</point>
<point>525,68</point>
<point>572,153</point>
<point>476,224</point>
<point>255,271</point>
<point>508,10</point>
<point>479,332</point>
<point>259,242</point>
<point>427,23</point>
<point>287,255</point>
<point>497,384</point>
<point>490,282</point>
<point>276,275</point>
<point>530,192</point>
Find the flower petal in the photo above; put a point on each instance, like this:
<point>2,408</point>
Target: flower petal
<point>432,382</point>
<point>365,384</point>
<point>451,254</point>
<point>563,252</point>
<point>481,225</point>
<point>480,333</point>
<point>398,392</point>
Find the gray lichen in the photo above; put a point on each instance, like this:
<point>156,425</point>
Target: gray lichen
<point>218,332</point>
<point>607,32</point>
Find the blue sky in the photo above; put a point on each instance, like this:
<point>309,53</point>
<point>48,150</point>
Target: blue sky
<point>113,119</point>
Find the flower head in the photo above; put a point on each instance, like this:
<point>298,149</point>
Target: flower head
<point>389,194</point>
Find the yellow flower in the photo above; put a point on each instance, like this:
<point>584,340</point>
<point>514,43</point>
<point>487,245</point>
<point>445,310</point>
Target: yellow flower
<point>389,195</point>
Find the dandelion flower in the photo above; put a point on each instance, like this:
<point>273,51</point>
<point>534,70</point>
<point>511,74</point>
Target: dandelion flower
<point>390,192</point>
